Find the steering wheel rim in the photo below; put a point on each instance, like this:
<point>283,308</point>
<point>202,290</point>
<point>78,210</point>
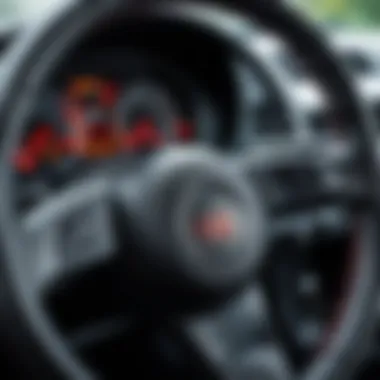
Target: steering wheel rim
<point>329,367</point>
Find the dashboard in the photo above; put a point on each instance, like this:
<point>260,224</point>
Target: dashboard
<point>115,105</point>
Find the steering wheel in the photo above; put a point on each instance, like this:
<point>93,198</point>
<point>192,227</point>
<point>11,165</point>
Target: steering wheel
<point>186,229</point>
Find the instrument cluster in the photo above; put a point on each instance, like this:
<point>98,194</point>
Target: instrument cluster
<point>88,118</point>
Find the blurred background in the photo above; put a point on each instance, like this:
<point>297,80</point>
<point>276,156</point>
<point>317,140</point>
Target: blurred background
<point>345,13</point>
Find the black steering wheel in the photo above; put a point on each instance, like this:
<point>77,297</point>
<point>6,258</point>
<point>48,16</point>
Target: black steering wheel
<point>188,230</point>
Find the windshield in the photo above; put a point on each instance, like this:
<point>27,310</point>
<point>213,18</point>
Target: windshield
<point>8,11</point>
<point>331,12</point>
<point>16,10</point>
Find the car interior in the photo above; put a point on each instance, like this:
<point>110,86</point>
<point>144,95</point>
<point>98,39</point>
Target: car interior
<point>190,190</point>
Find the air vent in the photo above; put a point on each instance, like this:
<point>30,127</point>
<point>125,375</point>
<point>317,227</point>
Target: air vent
<point>376,110</point>
<point>358,63</point>
<point>7,35</point>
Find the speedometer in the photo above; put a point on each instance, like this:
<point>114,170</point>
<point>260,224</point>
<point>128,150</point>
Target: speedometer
<point>148,116</point>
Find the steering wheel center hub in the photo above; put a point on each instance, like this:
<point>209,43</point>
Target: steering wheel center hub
<point>217,223</point>
<point>207,217</point>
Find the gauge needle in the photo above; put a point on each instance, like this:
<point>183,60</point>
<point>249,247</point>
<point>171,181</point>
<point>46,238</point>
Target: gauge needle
<point>143,134</point>
<point>40,145</point>
<point>185,130</point>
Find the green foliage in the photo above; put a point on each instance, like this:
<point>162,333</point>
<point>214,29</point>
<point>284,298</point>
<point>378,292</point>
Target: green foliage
<point>365,12</point>
<point>370,9</point>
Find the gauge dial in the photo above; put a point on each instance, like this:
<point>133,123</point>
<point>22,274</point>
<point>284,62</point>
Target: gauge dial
<point>148,116</point>
<point>101,122</point>
<point>102,116</point>
<point>87,108</point>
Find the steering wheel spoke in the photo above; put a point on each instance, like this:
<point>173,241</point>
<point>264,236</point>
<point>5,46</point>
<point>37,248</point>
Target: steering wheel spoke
<point>72,231</point>
<point>306,186</point>
<point>236,341</point>
<point>276,154</point>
